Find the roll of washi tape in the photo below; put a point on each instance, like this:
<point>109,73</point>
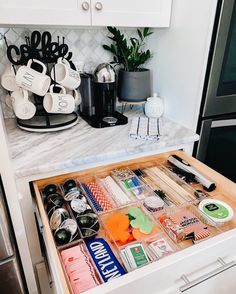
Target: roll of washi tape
<point>91,198</point>
<point>99,196</point>
<point>153,203</point>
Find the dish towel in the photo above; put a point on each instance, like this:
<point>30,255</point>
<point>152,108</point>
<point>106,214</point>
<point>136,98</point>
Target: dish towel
<point>144,128</point>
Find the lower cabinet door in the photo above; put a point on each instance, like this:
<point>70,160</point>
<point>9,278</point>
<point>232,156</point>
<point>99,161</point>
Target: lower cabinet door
<point>218,284</point>
<point>214,277</point>
<point>206,267</point>
<point>167,275</point>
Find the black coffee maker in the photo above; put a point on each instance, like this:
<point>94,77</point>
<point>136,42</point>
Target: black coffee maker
<point>98,98</point>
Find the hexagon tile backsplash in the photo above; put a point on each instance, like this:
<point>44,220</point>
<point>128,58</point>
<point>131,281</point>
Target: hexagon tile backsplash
<point>84,43</point>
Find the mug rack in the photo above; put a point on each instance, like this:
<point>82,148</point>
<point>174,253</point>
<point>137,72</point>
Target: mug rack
<point>40,46</point>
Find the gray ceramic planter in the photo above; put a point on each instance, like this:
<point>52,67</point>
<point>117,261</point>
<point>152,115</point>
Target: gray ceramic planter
<point>134,86</point>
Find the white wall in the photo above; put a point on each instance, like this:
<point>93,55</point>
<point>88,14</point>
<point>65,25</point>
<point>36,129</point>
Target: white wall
<point>180,58</point>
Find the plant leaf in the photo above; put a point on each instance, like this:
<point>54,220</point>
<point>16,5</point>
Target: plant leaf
<point>106,47</point>
<point>145,32</point>
<point>128,53</point>
<point>140,34</point>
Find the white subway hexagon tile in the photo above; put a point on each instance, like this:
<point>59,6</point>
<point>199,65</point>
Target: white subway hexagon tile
<point>72,36</point>
<point>84,43</point>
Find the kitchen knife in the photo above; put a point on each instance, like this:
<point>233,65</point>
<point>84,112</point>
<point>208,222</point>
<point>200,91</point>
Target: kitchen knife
<point>207,183</point>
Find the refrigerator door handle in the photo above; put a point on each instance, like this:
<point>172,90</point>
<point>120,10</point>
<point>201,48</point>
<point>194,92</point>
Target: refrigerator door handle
<point>223,123</point>
<point>204,139</point>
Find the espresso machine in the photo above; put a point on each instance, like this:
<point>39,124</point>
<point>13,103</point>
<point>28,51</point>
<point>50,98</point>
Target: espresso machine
<point>98,98</point>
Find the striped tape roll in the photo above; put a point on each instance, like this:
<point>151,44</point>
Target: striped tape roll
<point>99,196</point>
<point>91,198</point>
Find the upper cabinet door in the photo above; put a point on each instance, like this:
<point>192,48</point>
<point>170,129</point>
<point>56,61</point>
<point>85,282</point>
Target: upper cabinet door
<point>131,13</point>
<point>45,12</point>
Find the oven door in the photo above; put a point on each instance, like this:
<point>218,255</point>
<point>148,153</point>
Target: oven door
<point>220,95</point>
<point>217,145</point>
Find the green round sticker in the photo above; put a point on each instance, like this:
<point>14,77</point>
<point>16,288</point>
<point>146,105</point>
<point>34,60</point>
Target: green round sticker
<point>216,210</point>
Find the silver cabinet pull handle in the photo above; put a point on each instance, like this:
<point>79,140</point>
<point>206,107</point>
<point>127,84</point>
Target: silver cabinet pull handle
<point>189,284</point>
<point>85,5</point>
<point>98,6</point>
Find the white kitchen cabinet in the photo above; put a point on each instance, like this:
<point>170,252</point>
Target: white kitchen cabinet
<point>152,13</point>
<point>44,12</point>
<point>199,267</point>
<point>131,13</point>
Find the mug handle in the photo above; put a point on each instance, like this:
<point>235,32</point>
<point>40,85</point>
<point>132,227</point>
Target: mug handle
<point>29,63</point>
<point>59,86</point>
<point>59,60</point>
<point>75,94</point>
<point>25,94</point>
<point>63,61</point>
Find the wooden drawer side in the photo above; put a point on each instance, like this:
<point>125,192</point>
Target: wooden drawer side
<point>59,275</point>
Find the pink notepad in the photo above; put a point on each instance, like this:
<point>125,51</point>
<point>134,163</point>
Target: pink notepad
<point>79,269</point>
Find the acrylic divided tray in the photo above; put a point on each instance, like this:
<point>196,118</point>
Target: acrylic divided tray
<point>108,222</point>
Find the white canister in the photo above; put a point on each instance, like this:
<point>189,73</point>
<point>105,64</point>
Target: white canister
<point>154,107</point>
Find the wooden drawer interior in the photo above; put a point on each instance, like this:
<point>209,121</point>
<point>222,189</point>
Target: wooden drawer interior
<point>224,191</point>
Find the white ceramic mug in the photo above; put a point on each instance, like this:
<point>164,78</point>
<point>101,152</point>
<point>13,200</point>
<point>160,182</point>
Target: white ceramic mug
<point>63,74</point>
<point>32,80</point>
<point>23,108</point>
<point>8,79</point>
<point>58,102</point>
<point>77,96</point>
<point>8,101</point>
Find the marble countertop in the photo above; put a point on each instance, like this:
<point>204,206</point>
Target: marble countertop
<point>41,153</point>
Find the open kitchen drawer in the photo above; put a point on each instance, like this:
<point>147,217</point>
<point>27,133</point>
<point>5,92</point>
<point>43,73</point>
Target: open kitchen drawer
<point>188,265</point>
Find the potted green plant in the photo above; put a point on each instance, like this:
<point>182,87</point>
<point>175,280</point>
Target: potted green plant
<point>134,83</point>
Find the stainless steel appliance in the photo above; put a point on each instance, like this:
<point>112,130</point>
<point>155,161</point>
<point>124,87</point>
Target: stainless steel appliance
<point>11,275</point>
<point>217,120</point>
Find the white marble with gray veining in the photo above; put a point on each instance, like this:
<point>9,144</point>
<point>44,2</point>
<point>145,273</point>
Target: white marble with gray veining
<point>39,153</point>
